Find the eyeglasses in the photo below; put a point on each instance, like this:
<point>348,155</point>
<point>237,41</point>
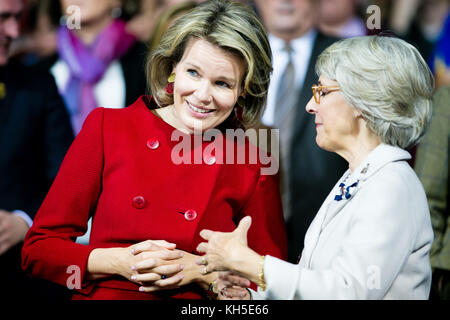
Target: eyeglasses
<point>317,91</point>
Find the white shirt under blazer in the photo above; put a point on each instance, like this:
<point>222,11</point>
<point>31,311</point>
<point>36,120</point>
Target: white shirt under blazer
<point>374,245</point>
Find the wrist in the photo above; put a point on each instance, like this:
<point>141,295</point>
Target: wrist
<point>209,284</point>
<point>21,227</point>
<point>205,281</point>
<point>115,261</point>
<point>104,261</point>
<point>251,267</point>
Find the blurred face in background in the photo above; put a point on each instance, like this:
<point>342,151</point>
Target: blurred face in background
<point>288,19</point>
<point>10,11</point>
<point>336,11</point>
<point>434,10</point>
<point>92,11</point>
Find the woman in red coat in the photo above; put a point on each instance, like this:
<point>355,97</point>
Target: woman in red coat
<point>144,172</point>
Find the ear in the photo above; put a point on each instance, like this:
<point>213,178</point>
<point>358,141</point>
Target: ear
<point>357,113</point>
<point>243,93</point>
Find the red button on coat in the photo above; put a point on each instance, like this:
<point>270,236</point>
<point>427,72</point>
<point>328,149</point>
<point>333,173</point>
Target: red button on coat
<point>139,202</point>
<point>153,143</point>
<point>190,215</point>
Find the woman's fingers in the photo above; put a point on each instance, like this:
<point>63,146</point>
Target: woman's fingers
<point>210,267</point>
<point>144,246</point>
<point>168,269</point>
<point>202,247</point>
<point>232,286</point>
<point>146,277</point>
<point>163,284</point>
<point>146,264</point>
<point>164,272</point>
<point>165,244</point>
<point>242,228</point>
<point>160,256</point>
<point>203,260</point>
<point>231,279</point>
<point>164,254</point>
<point>169,281</point>
<point>157,266</point>
<point>234,293</point>
<point>150,245</point>
<point>206,234</point>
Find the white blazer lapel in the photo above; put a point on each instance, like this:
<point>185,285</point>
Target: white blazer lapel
<point>378,158</point>
<point>347,192</point>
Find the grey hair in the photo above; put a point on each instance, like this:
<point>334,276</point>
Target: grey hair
<point>387,80</point>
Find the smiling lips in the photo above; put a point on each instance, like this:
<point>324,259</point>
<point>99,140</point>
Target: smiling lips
<point>199,110</point>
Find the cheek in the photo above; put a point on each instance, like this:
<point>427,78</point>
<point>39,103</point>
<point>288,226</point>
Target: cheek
<point>183,87</point>
<point>224,104</point>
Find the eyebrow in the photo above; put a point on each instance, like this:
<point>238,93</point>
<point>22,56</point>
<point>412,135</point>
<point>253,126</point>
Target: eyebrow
<point>8,14</point>
<point>221,78</point>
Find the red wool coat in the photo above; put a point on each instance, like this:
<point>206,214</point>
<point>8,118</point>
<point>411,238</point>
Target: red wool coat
<point>119,170</point>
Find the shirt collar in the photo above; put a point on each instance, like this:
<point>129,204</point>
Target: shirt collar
<point>278,44</point>
<point>378,158</point>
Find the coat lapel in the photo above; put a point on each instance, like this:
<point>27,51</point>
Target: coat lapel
<point>377,159</point>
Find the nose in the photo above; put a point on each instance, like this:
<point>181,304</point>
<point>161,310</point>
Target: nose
<point>11,27</point>
<point>203,92</point>
<point>311,106</point>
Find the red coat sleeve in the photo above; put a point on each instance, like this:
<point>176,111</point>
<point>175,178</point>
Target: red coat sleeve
<point>49,247</point>
<point>267,234</point>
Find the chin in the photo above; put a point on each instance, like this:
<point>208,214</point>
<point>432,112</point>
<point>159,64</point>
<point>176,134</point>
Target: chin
<point>322,145</point>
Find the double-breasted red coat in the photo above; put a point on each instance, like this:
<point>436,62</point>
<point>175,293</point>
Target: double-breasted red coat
<point>120,171</point>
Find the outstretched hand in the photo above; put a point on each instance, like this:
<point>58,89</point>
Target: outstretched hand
<point>224,250</point>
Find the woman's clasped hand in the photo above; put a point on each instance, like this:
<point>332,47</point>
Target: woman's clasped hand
<point>152,264</point>
<point>156,265</point>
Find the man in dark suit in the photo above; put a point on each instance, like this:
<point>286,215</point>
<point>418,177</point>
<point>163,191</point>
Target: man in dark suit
<point>35,133</point>
<point>308,172</point>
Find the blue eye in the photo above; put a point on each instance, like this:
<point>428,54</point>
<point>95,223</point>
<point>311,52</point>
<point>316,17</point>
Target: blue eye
<point>223,84</point>
<point>192,72</point>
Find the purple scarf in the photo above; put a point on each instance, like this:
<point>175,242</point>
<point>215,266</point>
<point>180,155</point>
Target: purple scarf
<point>88,64</point>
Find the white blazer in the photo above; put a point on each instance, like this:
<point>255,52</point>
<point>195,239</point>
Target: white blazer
<point>374,245</point>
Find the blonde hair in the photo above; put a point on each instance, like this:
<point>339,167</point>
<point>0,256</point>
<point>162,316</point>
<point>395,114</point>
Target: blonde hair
<point>233,27</point>
<point>166,19</point>
<point>387,80</point>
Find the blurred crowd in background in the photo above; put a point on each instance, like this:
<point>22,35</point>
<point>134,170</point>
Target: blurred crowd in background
<point>420,22</point>
<point>102,63</point>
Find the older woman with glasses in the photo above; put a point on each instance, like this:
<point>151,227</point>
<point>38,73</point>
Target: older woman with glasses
<point>372,236</point>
